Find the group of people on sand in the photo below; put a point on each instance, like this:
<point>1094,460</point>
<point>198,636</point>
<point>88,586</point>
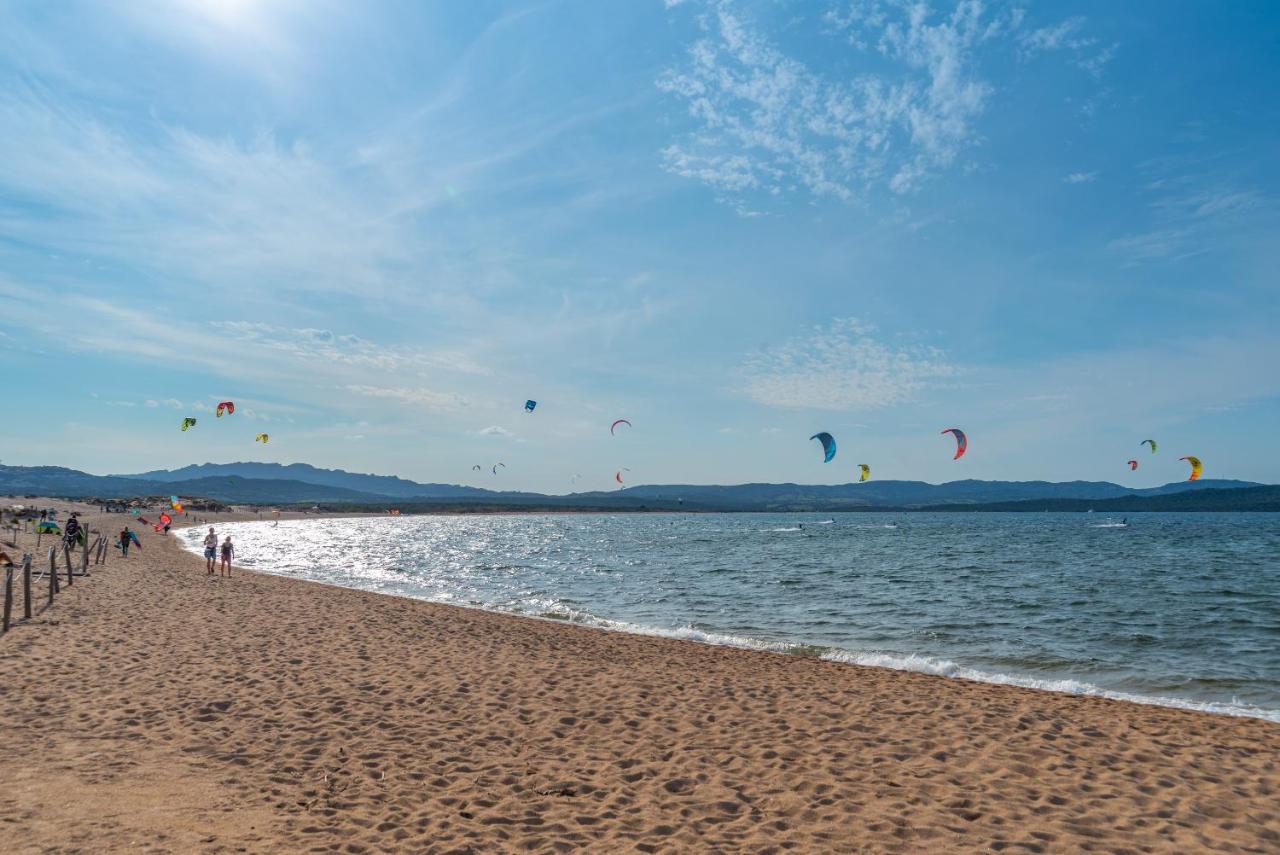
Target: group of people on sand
<point>218,555</point>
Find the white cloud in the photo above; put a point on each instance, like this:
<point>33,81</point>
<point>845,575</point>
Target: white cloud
<point>151,403</point>
<point>1080,178</point>
<point>1069,36</point>
<point>430,399</point>
<point>841,367</point>
<point>770,124</point>
<point>495,430</point>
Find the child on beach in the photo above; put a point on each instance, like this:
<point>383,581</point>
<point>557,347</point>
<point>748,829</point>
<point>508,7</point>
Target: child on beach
<point>228,552</point>
<point>210,551</point>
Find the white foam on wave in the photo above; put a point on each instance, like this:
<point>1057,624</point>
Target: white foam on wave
<point>921,665</point>
<point>947,668</point>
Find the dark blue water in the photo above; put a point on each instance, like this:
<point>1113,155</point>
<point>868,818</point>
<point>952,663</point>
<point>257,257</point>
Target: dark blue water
<point>1182,609</point>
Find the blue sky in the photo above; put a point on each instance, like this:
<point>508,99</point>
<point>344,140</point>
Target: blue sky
<point>380,227</point>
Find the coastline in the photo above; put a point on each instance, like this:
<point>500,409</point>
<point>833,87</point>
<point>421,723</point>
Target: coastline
<point>1067,684</point>
<point>273,714</point>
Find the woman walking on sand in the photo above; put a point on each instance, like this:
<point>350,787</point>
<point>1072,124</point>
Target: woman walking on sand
<point>228,552</point>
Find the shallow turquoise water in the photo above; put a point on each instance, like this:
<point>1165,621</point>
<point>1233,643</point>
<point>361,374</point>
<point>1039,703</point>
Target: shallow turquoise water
<point>1181,609</point>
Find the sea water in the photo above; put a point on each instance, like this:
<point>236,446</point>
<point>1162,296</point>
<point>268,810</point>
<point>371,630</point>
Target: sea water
<point>1176,609</point>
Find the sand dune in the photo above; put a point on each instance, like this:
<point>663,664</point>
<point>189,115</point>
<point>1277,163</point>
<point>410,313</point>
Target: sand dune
<point>154,708</point>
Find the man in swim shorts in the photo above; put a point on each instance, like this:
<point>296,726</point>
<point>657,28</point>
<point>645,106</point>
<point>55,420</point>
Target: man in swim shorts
<point>210,551</point>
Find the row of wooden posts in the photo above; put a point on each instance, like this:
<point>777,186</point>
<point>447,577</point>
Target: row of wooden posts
<point>97,552</point>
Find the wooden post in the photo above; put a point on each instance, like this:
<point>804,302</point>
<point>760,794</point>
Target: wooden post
<point>84,553</point>
<point>66,557</point>
<point>8,596</point>
<point>53,573</point>
<point>26,586</point>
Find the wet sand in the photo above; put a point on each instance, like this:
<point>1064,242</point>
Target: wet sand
<point>154,708</point>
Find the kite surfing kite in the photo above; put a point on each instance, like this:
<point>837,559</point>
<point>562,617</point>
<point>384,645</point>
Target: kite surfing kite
<point>262,438</point>
<point>617,476</point>
<point>188,423</point>
<point>828,445</point>
<point>476,468</point>
<point>1133,464</point>
<point>1196,468</point>
<point>962,442</point>
<point>496,465</point>
<point>165,519</point>
<point>225,408</point>
<point>1150,442</point>
<point>613,426</point>
<point>866,472</point>
<point>529,405</point>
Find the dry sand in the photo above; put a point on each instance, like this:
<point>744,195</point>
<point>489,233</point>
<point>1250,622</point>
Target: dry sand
<point>156,709</point>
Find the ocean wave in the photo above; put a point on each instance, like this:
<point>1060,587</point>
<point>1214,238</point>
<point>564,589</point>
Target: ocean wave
<point>947,668</point>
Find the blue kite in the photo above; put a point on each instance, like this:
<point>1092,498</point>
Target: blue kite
<point>828,445</point>
<point>529,405</point>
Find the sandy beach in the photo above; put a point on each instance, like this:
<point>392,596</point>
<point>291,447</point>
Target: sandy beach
<point>154,708</point>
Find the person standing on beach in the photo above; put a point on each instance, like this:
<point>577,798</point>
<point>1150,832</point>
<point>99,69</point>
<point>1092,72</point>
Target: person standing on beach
<point>228,552</point>
<point>210,551</point>
<point>126,537</point>
<point>71,532</point>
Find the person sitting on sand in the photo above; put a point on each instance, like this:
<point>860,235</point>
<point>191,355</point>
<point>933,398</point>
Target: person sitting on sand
<point>210,551</point>
<point>228,552</point>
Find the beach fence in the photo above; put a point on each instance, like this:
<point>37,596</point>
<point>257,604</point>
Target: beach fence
<point>76,558</point>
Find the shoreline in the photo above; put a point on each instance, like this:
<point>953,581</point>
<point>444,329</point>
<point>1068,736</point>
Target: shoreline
<point>154,705</point>
<point>907,663</point>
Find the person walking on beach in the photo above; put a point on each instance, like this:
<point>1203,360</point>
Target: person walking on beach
<point>210,551</point>
<point>126,537</point>
<point>71,532</point>
<point>228,552</point>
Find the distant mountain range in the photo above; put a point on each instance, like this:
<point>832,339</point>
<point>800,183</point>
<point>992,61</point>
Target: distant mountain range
<point>273,483</point>
<point>388,486</point>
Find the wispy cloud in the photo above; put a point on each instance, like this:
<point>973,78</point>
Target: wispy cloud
<point>1192,214</point>
<point>768,123</point>
<point>1069,35</point>
<point>1080,178</point>
<point>330,347</point>
<point>841,367</point>
<point>426,398</point>
<point>495,430</point>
